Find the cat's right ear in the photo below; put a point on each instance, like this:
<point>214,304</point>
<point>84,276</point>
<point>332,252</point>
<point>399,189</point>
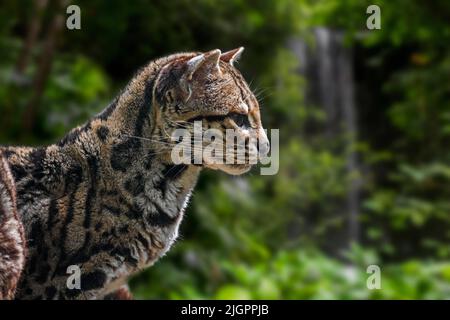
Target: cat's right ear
<point>232,56</point>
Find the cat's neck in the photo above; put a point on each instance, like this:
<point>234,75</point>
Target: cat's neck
<point>133,170</point>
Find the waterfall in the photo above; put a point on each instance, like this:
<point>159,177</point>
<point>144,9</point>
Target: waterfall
<point>327,65</point>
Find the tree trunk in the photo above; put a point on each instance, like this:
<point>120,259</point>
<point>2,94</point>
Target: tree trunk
<point>44,66</point>
<point>32,34</point>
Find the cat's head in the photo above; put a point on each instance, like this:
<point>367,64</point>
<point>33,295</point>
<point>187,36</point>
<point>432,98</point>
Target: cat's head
<point>206,88</point>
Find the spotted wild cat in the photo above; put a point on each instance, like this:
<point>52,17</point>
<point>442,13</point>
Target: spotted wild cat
<point>108,197</point>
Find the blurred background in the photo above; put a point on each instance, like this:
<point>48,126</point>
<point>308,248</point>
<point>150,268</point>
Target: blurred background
<point>364,119</point>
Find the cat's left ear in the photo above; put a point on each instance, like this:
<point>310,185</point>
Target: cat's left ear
<point>198,67</point>
<point>232,55</point>
<point>204,63</point>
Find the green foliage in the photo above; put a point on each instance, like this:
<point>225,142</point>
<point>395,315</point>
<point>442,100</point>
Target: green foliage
<point>76,90</point>
<point>305,274</point>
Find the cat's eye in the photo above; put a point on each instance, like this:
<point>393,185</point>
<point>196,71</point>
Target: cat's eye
<point>207,118</point>
<point>241,120</point>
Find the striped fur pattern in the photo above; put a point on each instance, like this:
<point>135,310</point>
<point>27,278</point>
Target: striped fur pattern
<point>107,198</point>
<point>12,243</point>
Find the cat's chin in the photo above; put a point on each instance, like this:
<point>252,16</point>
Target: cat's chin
<point>235,169</point>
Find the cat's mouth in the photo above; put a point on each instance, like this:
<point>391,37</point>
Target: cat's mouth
<point>236,162</point>
<point>233,169</point>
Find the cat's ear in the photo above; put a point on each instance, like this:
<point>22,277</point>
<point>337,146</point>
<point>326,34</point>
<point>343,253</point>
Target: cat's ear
<point>200,65</point>
<point>205,63</point>
<point>232,55</point>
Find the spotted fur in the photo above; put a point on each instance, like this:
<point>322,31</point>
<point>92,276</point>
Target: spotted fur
<point>107,197</point>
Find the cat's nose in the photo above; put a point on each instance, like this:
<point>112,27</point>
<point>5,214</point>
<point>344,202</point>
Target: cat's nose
<point>263,147</point>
